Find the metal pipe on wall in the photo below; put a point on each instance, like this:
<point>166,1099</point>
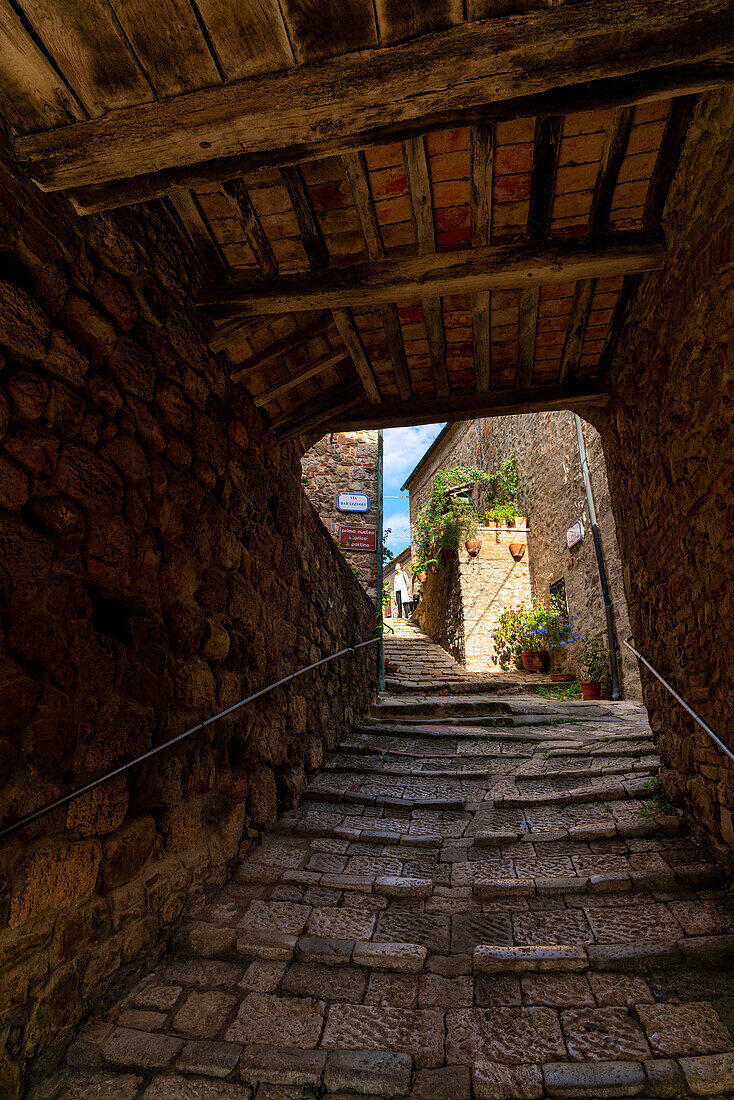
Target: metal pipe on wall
<point>611,632</point>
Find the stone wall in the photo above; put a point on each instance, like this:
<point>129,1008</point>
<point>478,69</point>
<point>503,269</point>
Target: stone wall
<point>462,603</point>
<point>158,562</point>
<point>669,443</point>
<point>552,495</point>
<point>345,462</point>
<point>459,446</point>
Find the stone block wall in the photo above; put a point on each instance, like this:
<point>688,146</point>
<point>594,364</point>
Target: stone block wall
<point>158,562</point>
<point>345,462</point>
<point>552,495</point>
<point>668,438</point>
<point>462,603</point>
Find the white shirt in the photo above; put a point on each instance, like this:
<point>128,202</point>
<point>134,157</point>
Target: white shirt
<point>400,585</point>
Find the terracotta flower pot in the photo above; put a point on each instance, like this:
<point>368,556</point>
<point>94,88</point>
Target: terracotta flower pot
<point>517,549</point>
<point>422,577</point>
<point>534,660</point>
<point>390,668</point>
<point>433,568</point>
<point>521,521</point>
<point>449,554</point>
<point>473,546</point>
<point>590,691</point>
<point>562,677</point>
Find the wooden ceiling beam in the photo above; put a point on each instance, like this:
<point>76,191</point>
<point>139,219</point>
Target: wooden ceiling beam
<point>338,401</point>
<point>312,371</point>
<point>421,202</point>
<point>263,359</point>
<point>294,114</point>
<point>671,146</point>
<point>429,410</point>
<point>318,257</point>
<point>199,233</point>
<point>613,154</point>
<point>239,199</point>
<point>405,279</point>
<point>546,147</point>
<point>355,167</point>
<point>482,174</point>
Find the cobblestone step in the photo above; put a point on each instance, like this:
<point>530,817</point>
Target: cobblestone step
<point>543,926</point>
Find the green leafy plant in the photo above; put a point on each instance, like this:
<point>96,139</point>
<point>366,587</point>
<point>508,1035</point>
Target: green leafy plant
<point>658,801</point>
<point>592,659</point>
<point>500,513</point>
<point>503,483</point>
<point>536,625</point>
<point>443,520</point>
<point>559,691</point>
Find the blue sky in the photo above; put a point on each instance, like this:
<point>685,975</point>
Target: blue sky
<point>402,449</point>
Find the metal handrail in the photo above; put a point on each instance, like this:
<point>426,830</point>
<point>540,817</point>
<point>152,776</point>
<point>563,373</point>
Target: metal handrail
<point>49,808</point>
<point>679,698</point>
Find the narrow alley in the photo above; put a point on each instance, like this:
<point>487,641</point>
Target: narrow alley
<point>479,896</point>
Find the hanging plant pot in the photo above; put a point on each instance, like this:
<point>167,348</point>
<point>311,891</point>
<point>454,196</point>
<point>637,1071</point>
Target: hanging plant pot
<point>422,577</point>
<point>591,690</point>
<point>449,554</point>
<point>473,546</point>
<point>517,549</point>
<point>433,568</point>
<point>534,660</point>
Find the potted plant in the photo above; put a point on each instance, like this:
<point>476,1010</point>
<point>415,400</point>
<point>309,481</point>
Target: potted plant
<point>433,566</point>
<point>592,664</point>
<point>559,676</point>
<point>419,570</point>
<point>471,542</point>
<point>531,630</point>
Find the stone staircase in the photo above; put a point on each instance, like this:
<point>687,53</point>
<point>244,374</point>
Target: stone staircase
<point>479,896</point>
<point>423,665</point>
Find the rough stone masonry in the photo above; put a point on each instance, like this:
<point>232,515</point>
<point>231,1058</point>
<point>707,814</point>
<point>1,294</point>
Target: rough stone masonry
<point>158,562</point>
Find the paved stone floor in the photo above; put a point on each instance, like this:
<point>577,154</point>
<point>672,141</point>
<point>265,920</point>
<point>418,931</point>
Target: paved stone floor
<point>479,896</point>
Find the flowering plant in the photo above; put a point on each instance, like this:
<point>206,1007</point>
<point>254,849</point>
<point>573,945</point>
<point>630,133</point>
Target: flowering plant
<point>536,625</point>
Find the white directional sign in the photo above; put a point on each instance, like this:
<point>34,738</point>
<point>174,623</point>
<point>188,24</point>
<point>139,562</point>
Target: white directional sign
<point>353,502</point>
<point>574,534</point>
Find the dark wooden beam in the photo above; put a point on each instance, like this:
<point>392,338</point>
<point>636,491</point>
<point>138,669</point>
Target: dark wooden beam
<point>646,87</point>
<point>281,347</point>
<point>405,279</point>
<point>674,136</point>
<point>355,166</point>
<point>353,342</point>
<point>428,410</point>
<point>312,371</point>
<point>497,59</point>
<point>583,297</point>
<point>421,202</point>
<point>338,401</point>
<point>199,233</point>
<point>542,192</point>
<point>482,171</point>
<point>613,154</point>
<point>308,224</point>
<point>239,199</point>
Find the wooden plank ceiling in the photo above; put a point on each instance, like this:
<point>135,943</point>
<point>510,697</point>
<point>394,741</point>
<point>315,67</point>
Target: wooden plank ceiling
<point>384,243</point>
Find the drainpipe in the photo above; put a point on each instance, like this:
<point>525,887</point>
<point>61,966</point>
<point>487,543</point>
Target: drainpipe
<point>381,610</point>
<point>611,632</point>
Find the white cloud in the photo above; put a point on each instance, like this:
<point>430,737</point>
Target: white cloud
<point>404,446</point>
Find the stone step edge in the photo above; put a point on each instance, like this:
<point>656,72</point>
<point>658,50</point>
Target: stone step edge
<point>702,951</point>
<point>618,793</point>
<point>344,832</point>
<point>360,769</point>
<point>198,939</point>
<point>666,825</point>
<point>411,886</point>
<point>701,878</point>
<point>386,801</point>
<point>656,1077</point>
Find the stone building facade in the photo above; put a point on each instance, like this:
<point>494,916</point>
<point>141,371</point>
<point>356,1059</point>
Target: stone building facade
<point>552,496</point>
<point>158,562</point>
<point>668,438</point>
<point>462,603</point>
<point>345,462</point>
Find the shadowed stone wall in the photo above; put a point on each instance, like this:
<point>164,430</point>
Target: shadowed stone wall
<point>158,562</point>
<point>668,438</point>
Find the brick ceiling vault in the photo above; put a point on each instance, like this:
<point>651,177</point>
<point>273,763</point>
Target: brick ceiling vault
<point>382,244</point>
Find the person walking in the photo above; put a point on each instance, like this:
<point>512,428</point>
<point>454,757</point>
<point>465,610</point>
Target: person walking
<point>402,593</point>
